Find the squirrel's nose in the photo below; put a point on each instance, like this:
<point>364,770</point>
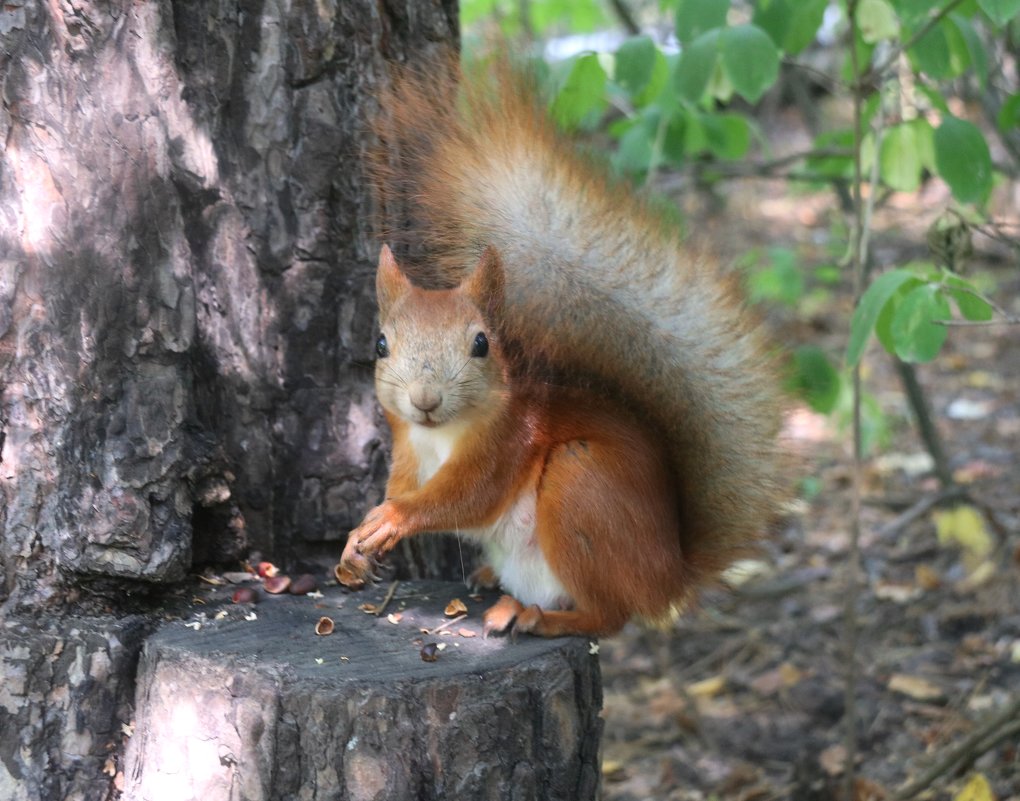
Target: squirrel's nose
<point>425,398</point>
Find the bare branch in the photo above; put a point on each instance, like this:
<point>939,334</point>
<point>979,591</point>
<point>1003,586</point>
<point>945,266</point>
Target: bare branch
<point>899,49</point>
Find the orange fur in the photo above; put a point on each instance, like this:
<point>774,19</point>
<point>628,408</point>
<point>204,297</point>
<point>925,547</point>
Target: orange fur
<point>626,390</point>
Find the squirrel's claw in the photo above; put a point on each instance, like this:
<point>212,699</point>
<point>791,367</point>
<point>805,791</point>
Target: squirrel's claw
<point>483,578</point>
<point>500,618</point>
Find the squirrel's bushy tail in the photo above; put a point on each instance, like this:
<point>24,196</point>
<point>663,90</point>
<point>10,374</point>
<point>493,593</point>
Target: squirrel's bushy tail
<point>598,286</point>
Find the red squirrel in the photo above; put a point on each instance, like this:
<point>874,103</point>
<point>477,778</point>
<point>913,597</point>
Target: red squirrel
<point>584,397</point>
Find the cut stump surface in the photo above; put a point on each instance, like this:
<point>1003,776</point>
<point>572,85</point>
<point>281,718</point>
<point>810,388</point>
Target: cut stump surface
<point>264,708</point>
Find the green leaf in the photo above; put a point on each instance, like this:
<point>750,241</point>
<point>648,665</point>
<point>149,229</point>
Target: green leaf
<point>1000,11</point>
<point>815,378</point>
<point>582,94</point>
<point>917,336</point>
<point>792,24</point>
<point>805,20</point>
<point>695,17</point>
<point>978,55</point>
<point>963,160</point>
<point>972,306</point>
<point>696,65</point>
<point>656,83</point>
<point>864,53</point>
<point>911,10</point>
<point>695,137</point>
<point>934,97</point>
<point>635,61</point>
<point>779,280</point>
<point>729,135</point>
<point>578,16</point>
<point>924,139</point>
<point>868,309</point>
<point>749,59</point>
<point>876,21</point>
<point>674,143</point>
<point>634,153</point>
<point>833,166</point>
<point>773,17</point>
<point>1009,114</point>
<point>931,53</point>
<point>883,325</point>
<point>899,160</point>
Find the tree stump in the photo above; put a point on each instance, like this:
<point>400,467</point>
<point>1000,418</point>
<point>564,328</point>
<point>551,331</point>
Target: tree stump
<point>261,707</point>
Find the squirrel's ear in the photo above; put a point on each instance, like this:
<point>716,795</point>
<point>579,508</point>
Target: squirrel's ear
<point>390,281</point>
<point>485,285</point>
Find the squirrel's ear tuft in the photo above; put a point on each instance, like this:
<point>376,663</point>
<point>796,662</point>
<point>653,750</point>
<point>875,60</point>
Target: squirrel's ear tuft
<point>390,281</point>
<point>485,285</point>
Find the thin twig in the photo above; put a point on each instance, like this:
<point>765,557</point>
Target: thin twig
<point>448,623</point>
<point>831,82</point>
<point>980,741</point>
<point>925,421</point>
<point>1007,317</point>
<point>387,599</point>
<point>903,47</point>
<point>919,510</point>
<point>626,16</point>
<point>853,568</point>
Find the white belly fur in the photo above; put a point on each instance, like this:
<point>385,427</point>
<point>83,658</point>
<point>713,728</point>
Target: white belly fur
<point>510,544</point>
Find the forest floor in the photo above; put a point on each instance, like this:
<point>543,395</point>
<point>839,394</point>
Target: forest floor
<point>745,698</point>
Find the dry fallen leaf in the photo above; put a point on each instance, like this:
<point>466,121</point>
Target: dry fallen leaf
<point>454,608</point>
<point>833,760</point>
<point>866,790</point>
<point>915,687</point>
<point>927,578</point>
<point>707,688</point>
<point>613,771</point>
<point>979,575</point>
<point>897,593</point>
<point>769,682</point>
<point>964,525</point>
<point>977,788</point>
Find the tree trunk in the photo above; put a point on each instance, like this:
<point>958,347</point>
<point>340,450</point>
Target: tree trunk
<point>261,708</point>
<point>186,305</point>
<point>186,323</point>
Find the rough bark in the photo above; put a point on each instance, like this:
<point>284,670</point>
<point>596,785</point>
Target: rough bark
<point>186,323</point>
<point>66,690</point>
<point>265,709</point>
<point>185,281</point>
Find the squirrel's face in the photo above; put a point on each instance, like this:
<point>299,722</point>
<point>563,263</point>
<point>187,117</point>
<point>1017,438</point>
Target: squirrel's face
<point>436,361</point>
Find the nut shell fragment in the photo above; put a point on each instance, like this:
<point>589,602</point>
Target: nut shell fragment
<point>277,584</point>
<point>267,569</point>
<point>303,584</point>
<point>455,607</point>
<point>325,626</point>
<point>430,652</point>
<point>245,595</point>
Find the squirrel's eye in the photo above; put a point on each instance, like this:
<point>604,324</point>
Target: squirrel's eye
<point>480,347</point>
<point>382,349</point>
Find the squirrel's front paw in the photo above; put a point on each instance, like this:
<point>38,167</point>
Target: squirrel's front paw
<point>500,617</point>
<point>377,534</point>
<point>354,568</point>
